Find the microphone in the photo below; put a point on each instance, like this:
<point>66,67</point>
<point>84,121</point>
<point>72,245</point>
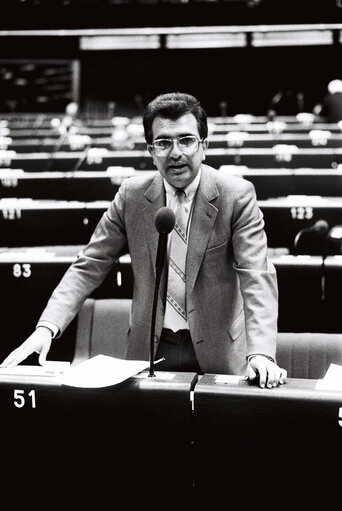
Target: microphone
<point>164,221</point>
<point>320,228</point>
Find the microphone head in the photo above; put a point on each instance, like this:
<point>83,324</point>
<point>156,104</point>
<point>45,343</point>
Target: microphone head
<point>165,220</point>
<point>321,226</point>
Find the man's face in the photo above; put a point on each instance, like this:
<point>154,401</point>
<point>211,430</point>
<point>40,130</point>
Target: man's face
<point>178,166</point>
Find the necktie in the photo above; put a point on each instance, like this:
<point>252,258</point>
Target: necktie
<point>177,261</point>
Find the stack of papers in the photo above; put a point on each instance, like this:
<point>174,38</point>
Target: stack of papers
<point>332,379</point>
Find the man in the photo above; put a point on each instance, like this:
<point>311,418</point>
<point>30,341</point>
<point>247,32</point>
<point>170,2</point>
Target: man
<point>225,319</point>
<point>331,107</point>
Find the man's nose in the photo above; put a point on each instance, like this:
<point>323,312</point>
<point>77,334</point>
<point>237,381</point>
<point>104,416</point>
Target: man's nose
<point>175,151</point>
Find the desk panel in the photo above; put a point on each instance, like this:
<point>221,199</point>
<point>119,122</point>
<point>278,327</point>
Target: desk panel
<point>93,446</point>
<point>283,443</point>
<point>36,223</point>
<point>301,295</point>
<point>333,291</point>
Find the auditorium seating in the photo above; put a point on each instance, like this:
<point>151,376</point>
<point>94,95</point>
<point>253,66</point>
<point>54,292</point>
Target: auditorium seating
<point>73,188</point>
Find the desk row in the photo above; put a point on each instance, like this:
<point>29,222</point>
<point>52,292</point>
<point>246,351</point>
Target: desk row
<point>309,292</point>
<point>103,185</point>
<point>97,158</point>
<point>27,222</point>
<point>38,142</point>
<point>214,430</point>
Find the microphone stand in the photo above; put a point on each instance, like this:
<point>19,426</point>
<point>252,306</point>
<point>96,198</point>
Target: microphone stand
<point>165,221</point>
<point>153,321</point>
<point>159,270</point>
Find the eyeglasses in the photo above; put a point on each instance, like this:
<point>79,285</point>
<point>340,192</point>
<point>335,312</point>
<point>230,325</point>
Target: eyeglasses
<point>188,144</point>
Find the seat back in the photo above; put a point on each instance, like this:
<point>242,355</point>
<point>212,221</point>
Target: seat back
<point>308,355</point>
<point>102,326</point>
<point>103,323</point>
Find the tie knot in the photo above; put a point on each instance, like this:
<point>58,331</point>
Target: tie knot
<point>180,195</point>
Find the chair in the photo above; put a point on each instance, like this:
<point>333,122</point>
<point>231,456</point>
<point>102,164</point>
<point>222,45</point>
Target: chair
<point>308,355</point>
<point>102,326</point>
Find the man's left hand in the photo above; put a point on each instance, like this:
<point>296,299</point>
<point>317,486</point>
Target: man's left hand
<point>268,373</point>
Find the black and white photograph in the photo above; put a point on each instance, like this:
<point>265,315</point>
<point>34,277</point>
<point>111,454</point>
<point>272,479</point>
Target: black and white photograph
<point>171,253</point>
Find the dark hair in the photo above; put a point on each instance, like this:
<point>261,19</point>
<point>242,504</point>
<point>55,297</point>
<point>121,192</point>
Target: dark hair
<point>172,106</point>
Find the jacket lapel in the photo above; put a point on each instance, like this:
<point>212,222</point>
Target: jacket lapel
<point>155,196</point>
<point>202,224</point>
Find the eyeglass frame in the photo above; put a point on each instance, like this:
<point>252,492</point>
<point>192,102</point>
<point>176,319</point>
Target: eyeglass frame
<point>173,140</point>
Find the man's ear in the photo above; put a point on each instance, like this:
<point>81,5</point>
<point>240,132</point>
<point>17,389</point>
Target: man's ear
<point>205,144</point>
<point>151,153</point>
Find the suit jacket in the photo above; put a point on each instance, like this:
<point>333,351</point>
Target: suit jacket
<point>232,295</point>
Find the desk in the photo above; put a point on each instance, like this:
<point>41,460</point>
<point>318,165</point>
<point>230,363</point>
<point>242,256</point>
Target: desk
<point>239,439</point>
<point>283,443</point>
<point>286,216</point>
<point>281,182</point>
<point>28,277</point>
<point>333,289</point>
<point>141,159</point>
<point>301,291</point>
<point>91,446</point>
<point>27,222</point>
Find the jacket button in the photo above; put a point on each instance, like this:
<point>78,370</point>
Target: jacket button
<point>156,338</point>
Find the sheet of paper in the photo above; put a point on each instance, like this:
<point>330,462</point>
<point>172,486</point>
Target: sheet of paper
<point>332,379</point>
<point>102,371</point>
<point>229,378</point>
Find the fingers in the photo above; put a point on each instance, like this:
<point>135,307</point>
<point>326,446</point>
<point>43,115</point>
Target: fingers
<point>39,342</point>
<point>43,355</point>
<point>16,356</point>
<point>272,377</point>
<point>269,374</point>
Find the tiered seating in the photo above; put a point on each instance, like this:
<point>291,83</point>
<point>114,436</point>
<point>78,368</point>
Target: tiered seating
<point>55,188</point>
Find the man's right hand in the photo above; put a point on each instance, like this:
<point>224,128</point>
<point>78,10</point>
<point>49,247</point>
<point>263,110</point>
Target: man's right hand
<point>39,342</point>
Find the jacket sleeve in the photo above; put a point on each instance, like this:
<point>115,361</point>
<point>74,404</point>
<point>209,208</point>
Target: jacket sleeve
<point>257,274</point>
<point>92,265</point>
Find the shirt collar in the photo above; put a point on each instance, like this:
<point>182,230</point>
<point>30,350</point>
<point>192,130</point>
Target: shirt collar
<point>190,190</point>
